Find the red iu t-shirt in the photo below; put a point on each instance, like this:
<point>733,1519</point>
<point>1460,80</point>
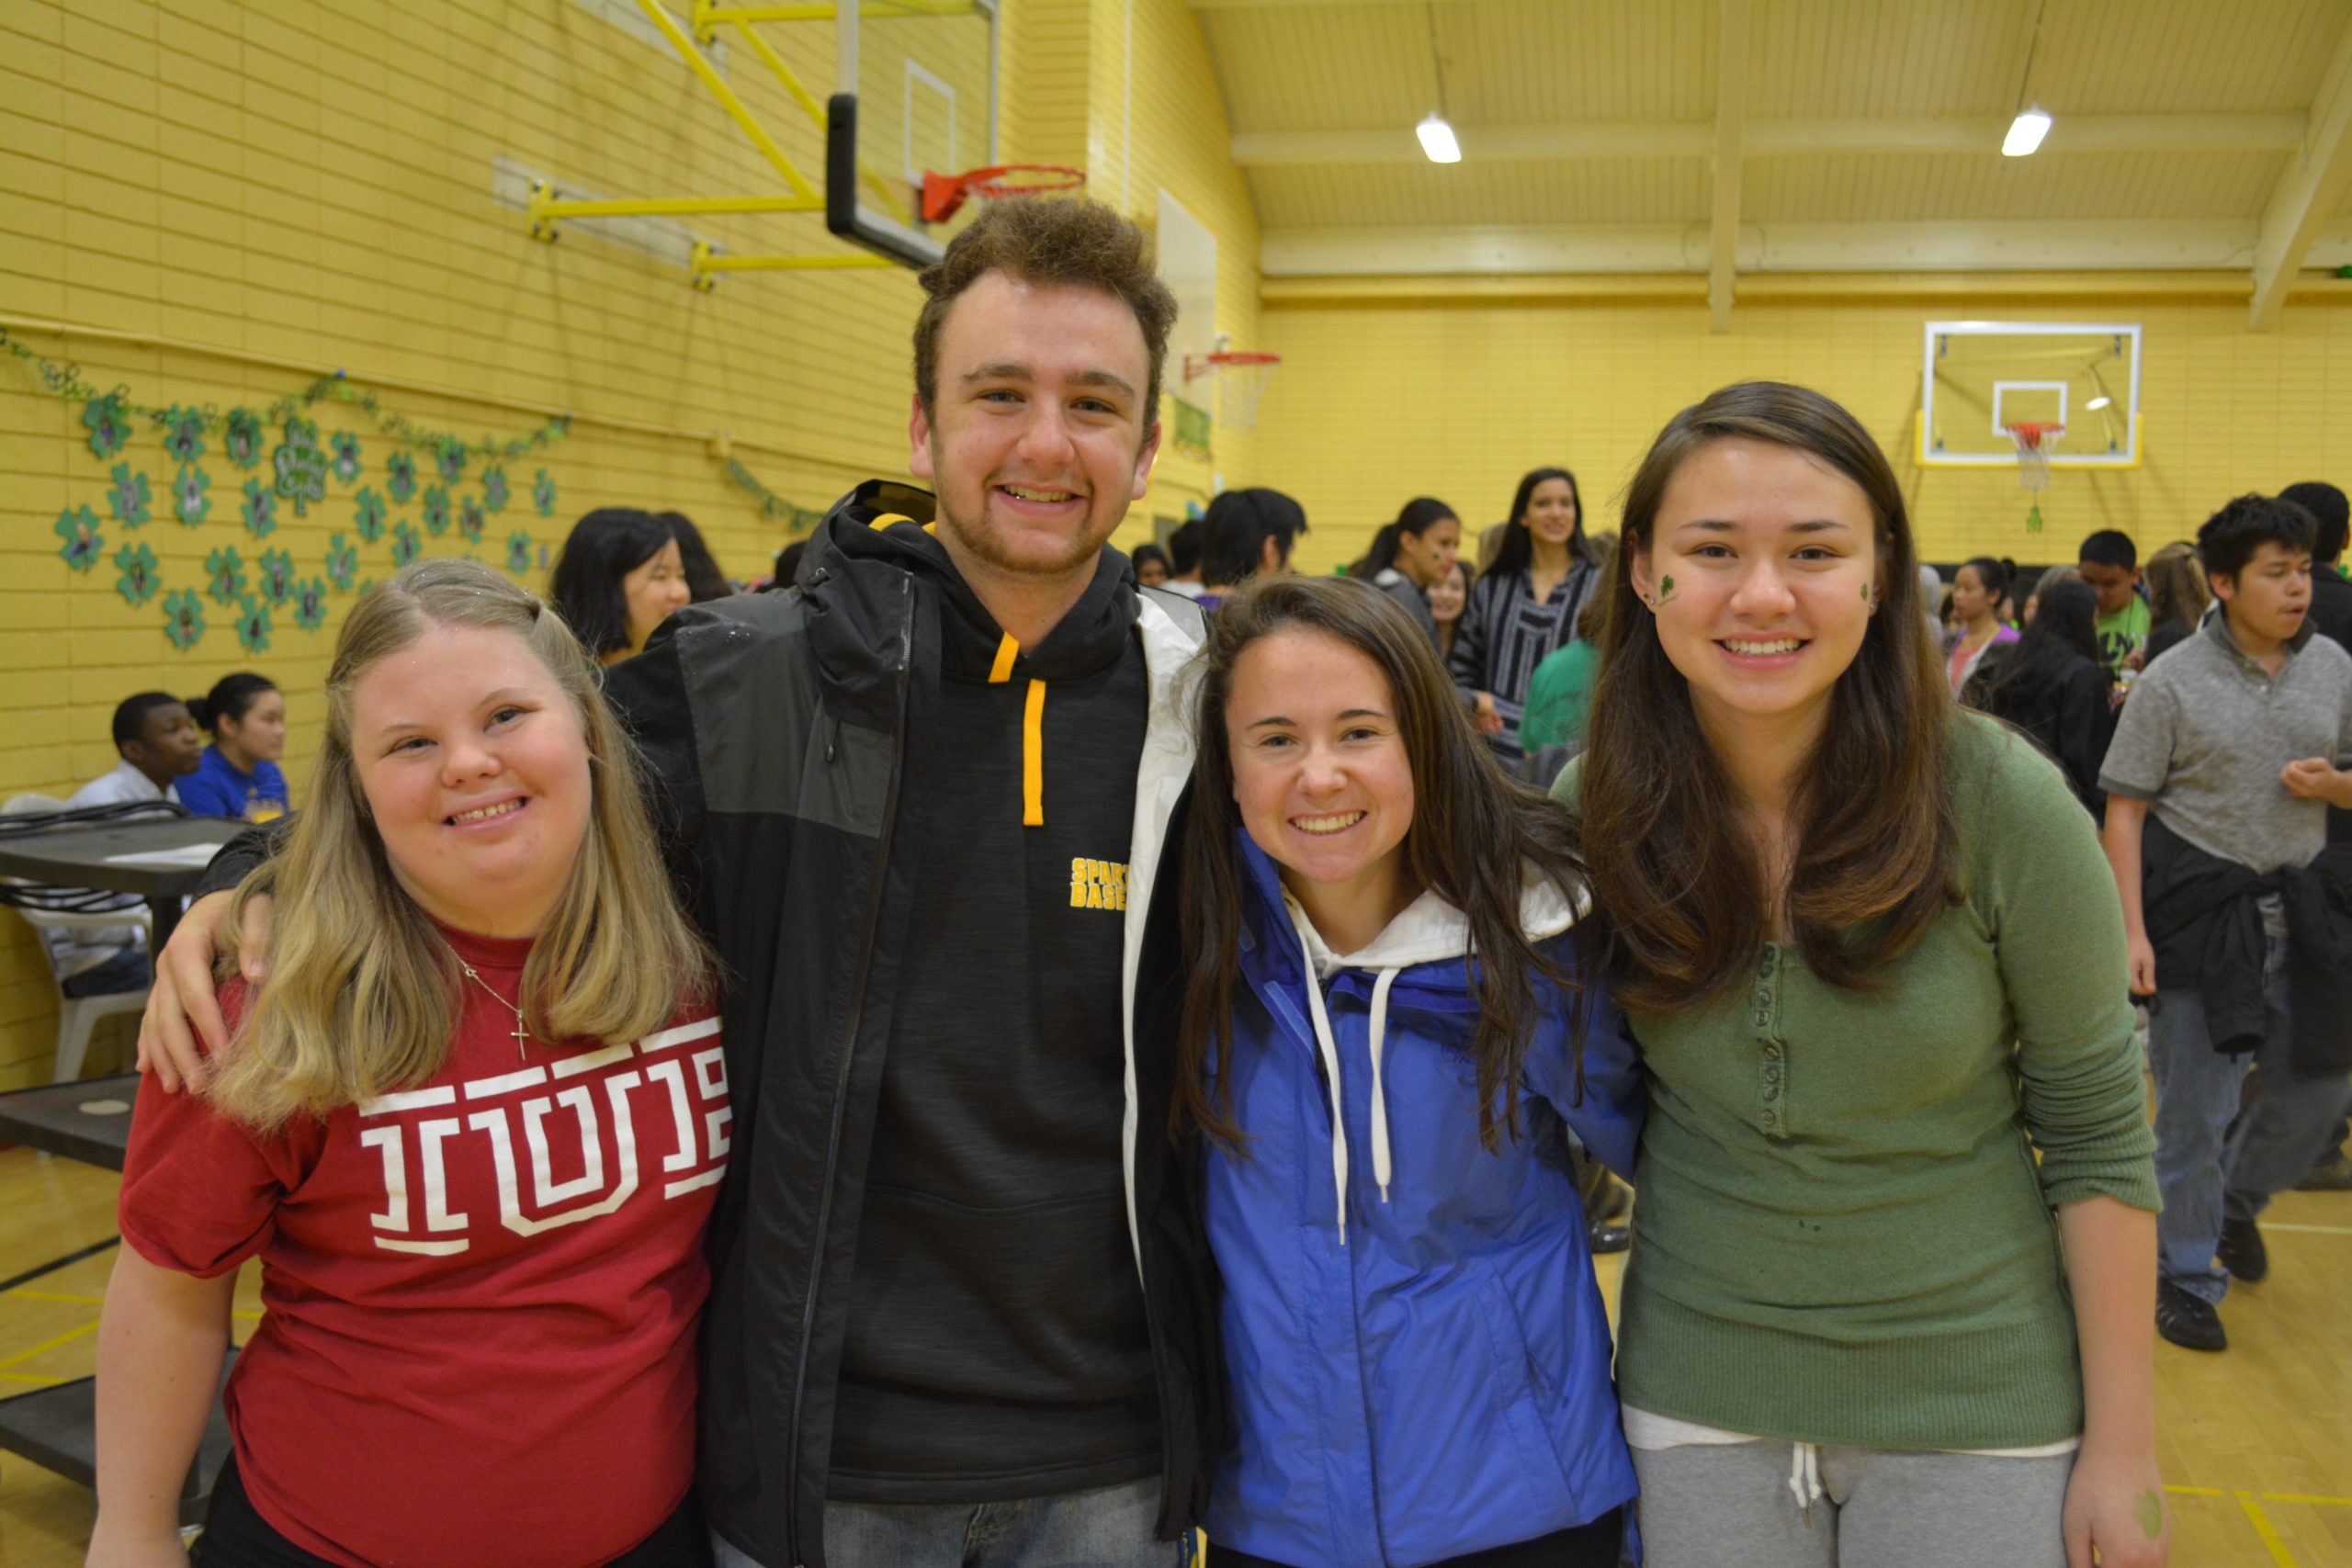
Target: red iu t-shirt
<point>481,1292</point>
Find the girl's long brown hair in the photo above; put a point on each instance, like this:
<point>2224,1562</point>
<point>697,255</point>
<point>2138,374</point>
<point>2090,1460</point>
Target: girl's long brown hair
<point>1474,834</point>
<point>1675,876</point>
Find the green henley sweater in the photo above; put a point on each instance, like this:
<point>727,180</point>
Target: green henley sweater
<point>1843,1235</point>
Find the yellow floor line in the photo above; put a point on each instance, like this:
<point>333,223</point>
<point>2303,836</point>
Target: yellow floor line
<point>2262,1527</point>
<point>2309,1230</point>
<point>67,1337</point>
<point>53,1296</point>
<point>28,1377</point>
<point>2299,1497</point>
<point>2196,1491</point>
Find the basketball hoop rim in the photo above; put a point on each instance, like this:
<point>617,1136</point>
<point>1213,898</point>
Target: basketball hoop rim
<point>2032,436</point>
<point>1199,365</point>
<point>943,194</point>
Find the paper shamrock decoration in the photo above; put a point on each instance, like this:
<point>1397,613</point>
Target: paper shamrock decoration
<point>518,551</point>
<point>260,510</point>
<point>137,563</point>
<point>346,457</point>
<point>311,604</point>
<point>128,497</point>
<point>343,561</point>
<point>400,477</point>
<point>301,466</point>
<point>543,493</point>
<point>183,433</point>
<point>242,439</point>
<point>470,521</point>
<point>277,576</point>
<point>449,458</point>
<point>183,618</point>
<point>253,626</point>
<point>493,490</point>
<point>436,511</point>
<point>406,545</point>
<point>109,423</point>
<point>190,503</point>
<point>78,526</point>
<point>370,515</point>
<point>226,570</point>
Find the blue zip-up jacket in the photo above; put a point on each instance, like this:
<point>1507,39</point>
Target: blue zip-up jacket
<point>1417,1352</point>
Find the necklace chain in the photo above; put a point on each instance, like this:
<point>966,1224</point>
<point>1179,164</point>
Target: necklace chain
<point>522,1030</point>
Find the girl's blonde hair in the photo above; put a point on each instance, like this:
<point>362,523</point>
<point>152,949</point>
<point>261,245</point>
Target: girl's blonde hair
<point>363,990</point>
<point>2177,587</point>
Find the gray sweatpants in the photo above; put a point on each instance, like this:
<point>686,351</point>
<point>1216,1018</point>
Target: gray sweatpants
<point>1705,1504</point>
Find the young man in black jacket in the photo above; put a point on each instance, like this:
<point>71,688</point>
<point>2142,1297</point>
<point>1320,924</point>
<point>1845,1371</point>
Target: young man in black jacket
<point>962,1308</point>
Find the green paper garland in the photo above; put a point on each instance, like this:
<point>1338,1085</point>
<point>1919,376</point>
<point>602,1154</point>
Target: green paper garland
<point>797,519</point>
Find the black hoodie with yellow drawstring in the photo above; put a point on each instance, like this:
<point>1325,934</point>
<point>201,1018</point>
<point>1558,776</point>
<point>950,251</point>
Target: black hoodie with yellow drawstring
<point>957,1258</point>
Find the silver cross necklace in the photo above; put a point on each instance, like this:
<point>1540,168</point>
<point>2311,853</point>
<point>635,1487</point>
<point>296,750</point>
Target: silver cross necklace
<point>522,1031</point>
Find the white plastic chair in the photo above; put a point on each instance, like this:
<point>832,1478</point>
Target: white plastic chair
<point>78,1015</point>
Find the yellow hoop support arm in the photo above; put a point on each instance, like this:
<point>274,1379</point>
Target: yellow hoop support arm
<point>550,208</point>
<point>705,264</point>
<point>660,16</point>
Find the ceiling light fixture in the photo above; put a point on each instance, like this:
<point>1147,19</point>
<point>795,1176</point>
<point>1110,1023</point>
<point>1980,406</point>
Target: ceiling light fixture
<point>1436,133</point>
<point>2100,401</point>
<point>1438,141</point>
<point>2032,122</point>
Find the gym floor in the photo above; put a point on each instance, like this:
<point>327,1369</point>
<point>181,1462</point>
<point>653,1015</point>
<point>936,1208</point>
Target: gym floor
<point>2256,1442</point>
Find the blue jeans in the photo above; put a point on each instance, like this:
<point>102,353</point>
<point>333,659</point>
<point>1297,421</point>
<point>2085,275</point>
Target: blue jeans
<point>1109,1527</point>
<point>2205,1169</point>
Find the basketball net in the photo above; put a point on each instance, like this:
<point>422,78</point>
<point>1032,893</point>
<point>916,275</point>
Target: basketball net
<point>1241,380</point>
<point>2034,442</point>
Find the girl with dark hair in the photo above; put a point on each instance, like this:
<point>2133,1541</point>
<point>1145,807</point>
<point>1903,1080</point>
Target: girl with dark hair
<point>2052,686</point>
<point>238,775</point>
<point>1407,557</point>
<point>1418,1354</point>
<point>1977,592</point>
<point>1449,597</point>
<point>1151,566</point>
<point>621,574</point>
<point>1525,605</point>
<point>1875,963</point>
<point>705,581</point>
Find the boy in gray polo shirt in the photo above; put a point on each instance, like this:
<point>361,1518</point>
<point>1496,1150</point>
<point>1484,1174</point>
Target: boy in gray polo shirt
<point>2236,741</point>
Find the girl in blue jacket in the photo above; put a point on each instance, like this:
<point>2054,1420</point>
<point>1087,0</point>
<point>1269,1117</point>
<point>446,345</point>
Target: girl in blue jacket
<point>1416,1349</point>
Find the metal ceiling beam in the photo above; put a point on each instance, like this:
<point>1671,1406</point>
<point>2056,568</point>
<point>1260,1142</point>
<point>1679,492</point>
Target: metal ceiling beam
<point>1768,138</point>
<point>2309,190</point>
<point>2022,245</point>
<point>1731,119</point>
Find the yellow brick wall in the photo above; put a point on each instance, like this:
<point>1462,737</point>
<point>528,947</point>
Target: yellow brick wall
<point>1456,396</point>
<point>265,189</point>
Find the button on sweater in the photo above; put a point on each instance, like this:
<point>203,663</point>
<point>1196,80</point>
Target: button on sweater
<point>1845,1233</point>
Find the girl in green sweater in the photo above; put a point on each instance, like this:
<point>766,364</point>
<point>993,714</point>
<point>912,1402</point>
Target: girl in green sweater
<point>1876,965</point>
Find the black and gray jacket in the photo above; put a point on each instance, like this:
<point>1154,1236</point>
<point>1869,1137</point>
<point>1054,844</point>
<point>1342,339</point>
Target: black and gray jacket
<point>774,727</point>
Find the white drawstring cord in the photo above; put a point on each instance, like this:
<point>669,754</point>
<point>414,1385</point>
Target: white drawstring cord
<point>1331,1051</point>
<point>1805,1477</point>
<point>1381,1168</point>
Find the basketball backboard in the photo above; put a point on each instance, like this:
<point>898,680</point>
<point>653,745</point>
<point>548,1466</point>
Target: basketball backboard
<point>914,93</point>
<point>1187,257</point>
<point>1981,378</point>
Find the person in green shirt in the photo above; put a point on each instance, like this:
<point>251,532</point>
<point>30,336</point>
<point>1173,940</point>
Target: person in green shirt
<point>2109,562</point>
<point>1871,951</point>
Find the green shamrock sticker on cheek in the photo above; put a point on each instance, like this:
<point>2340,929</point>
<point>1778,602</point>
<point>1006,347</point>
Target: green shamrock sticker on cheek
<point>1665,589</point>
